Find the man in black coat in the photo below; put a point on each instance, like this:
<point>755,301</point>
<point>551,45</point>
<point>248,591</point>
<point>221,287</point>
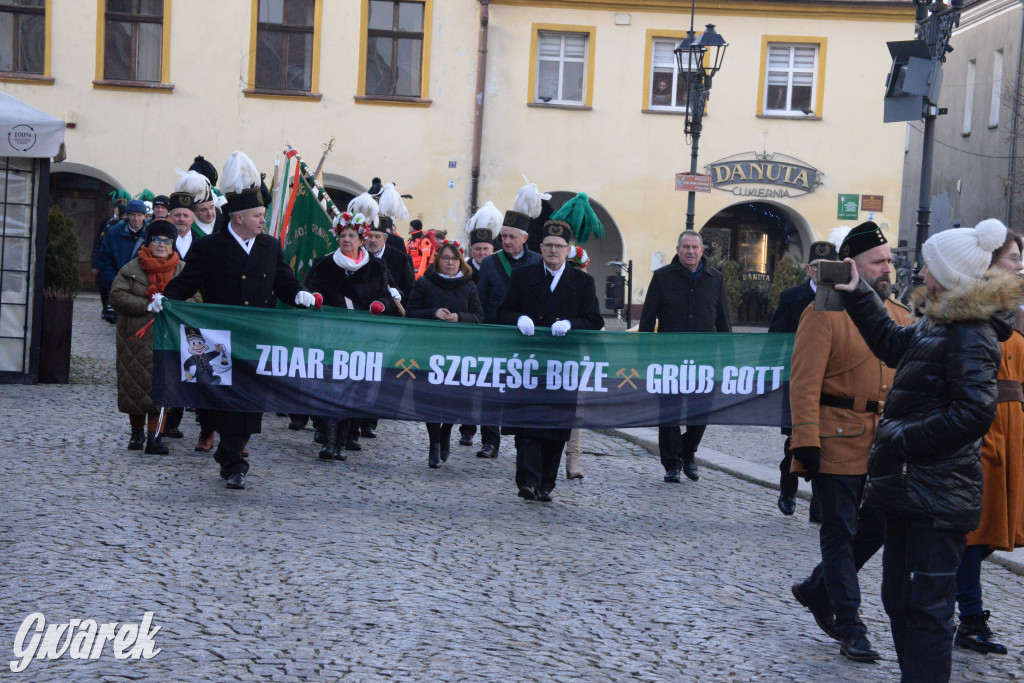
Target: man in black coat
<point>786,319</point>
<point>687,295</point>
<point>480,247</point>
<point>492,284</point>
<point>238,266</point>
<point>398,262</point>
<point>547,294</point>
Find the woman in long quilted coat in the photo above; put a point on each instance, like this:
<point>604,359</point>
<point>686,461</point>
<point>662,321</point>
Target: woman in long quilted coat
<point>132,290</point>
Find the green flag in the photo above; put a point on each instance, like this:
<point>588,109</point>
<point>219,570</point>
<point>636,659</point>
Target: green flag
<point>308,236</point>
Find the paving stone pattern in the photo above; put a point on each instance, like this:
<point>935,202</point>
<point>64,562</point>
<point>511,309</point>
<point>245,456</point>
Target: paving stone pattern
<point>379,568</point>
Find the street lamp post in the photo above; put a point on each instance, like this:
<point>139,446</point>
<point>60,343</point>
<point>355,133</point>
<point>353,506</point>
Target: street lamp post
<point>698,59</point>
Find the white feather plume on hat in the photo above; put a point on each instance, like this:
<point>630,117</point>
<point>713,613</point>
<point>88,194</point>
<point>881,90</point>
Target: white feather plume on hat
<point>528,199</point>
<point>195,184</point>
<point>839,234</point>
<point>391,203</point>
<point>366,205</point>
<point>487,216</point>
<point>239,173</point>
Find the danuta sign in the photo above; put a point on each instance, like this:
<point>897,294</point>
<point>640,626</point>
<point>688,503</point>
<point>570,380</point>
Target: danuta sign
<point>764,175</point>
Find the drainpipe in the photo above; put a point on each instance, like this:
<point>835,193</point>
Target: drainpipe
<point>1014,114</point>
<point>478,109</point>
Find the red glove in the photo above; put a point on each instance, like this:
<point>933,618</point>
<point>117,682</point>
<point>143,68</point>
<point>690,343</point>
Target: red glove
<point>319,298</point>
<point>376,308</point>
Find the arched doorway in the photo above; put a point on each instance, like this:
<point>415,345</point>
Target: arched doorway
<point>83,195</point>
<point>756,236</point>
<point>342,189</point>
<point>600,251</point>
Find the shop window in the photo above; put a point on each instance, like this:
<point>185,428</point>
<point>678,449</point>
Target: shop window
<point>396,50</point>
<point>792,77</point>
<point>285,44</point>
<point>23,37</point>
<point>133,41</point>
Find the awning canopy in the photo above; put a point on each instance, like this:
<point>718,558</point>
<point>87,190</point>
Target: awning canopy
<point>27,132</point>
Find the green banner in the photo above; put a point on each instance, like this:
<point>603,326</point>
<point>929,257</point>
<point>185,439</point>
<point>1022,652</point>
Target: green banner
<point>340,362</point>
<point>309,232</point>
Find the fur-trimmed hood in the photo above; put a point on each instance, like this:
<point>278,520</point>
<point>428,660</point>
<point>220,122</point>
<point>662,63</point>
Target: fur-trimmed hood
<point>997,295</point>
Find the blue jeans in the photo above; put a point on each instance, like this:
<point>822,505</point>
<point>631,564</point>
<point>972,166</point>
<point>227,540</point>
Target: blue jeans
<point>919,566</point>
<point>968,580</point>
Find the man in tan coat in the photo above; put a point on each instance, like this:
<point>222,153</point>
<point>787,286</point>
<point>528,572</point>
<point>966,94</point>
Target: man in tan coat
<point>837,390</point>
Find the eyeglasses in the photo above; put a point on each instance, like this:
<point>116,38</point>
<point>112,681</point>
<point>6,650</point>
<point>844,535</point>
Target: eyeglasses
<point>548,245</point>
<point>1014,258</point>
<point>161,240</point>
<point>449,258</point>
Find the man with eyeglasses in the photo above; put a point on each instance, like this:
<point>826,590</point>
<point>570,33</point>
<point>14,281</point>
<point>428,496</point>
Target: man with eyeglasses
<point>785,320</point>
<point>687,295</point>
<point>547,294</point>
<point>495,273</point>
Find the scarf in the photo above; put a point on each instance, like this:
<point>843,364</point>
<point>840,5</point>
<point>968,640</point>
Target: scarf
<point>348,264</point>
<point>158,270</point>
<point>449,277</point>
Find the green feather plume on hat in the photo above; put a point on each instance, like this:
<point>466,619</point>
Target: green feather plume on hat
<point>578,213</point>
<point>146,195</point>
<point>120,195</point>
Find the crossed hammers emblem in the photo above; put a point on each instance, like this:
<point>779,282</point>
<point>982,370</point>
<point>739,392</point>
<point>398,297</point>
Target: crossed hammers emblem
<point>627,378</point>
<point>407,367</point>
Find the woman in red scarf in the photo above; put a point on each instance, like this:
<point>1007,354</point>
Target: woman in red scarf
<point>133,288</point>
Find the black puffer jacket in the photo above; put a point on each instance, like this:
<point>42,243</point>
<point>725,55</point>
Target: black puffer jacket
<point>926,458</point>
<point>458,295</point>
<point>361,287</point>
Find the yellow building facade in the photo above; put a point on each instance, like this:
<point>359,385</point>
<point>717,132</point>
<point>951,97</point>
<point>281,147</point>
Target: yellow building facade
<point>578,95</point>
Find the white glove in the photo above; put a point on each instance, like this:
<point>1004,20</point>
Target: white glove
<point>305,299</point>
<point>157,304</point>
<point>395,294</point>
<point>525,325</point>
<point>560,327</point>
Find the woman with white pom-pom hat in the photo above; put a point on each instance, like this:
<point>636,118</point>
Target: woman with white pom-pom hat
<point>925,470</point>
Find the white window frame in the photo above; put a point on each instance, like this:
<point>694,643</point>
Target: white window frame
<point>997,88</point>
<point>969,97</point>
<point>789,111</point>
<point>562,59</point>
<point>672,42</point>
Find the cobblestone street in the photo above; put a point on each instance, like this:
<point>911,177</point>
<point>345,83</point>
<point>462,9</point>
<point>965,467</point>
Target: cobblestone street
<point>380,568</point>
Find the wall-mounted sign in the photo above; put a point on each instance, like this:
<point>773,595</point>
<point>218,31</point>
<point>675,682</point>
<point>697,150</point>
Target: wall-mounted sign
<point>751,174</point>
<point>848,207</point>
<point>693,182</point>
<point>871,202</point>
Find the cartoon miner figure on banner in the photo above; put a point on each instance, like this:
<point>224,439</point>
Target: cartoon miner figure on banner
<point>198,366</point>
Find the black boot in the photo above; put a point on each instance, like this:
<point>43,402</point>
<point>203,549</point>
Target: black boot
<point>154,446</point>
<point>327,429</point>
<point>690,467</point>
<point>339,433</point>
<point>434,459</point>
<point>137,440</point>
<point>352,435</point>
<point>973,633</point>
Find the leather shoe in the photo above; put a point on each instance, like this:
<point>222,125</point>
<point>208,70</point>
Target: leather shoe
<point>236,481</point>
<point>487,451</point>
<point>787,504</point>
<point>822,614</point>
<point>205,444</point>
<point>296,426</point>
<point>352,445</point>
<point>173,433</point>
<point>527,493</point>
<point>368,432</point>
<point>858,649</point>
<point>690,467</point>
<point>544,496</point>
<point>465,441</point>
<point>672,476</point>
<point>434,457</point>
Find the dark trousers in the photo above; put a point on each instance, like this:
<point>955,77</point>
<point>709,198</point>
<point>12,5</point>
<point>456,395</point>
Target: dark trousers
<point>789,482</point>
<point>229,454</point>
<point>849,536</point>
<point>489,436</point>
<point>467,430</point>
<point>439,433</point>
<point>104,294</point>
<point>172,418</point>
<point>673,443</point>
<point>919,568</point>
<point>205,421</point>
<point>537,462</point>
<point>968,580</point>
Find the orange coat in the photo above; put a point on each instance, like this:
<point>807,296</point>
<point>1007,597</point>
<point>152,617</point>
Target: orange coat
<point>1002,459</point>
<point>831,357</point>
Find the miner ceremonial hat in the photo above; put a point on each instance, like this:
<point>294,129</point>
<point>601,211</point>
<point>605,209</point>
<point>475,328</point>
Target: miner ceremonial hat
<point>204,167</point>
<point>485,224</point>
<point>241,183</point>
<point>822,251</point>
<point>557,228</point>
<point>181,200</point>
<point>384,224</point>
<point>861,238</point>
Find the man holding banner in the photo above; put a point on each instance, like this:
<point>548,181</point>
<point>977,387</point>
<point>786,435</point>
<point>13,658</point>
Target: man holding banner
<point>547,294</point>
<point>238,266</point>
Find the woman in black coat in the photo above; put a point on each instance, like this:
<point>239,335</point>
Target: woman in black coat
<point>446,292</point>
<point>349,278</point>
